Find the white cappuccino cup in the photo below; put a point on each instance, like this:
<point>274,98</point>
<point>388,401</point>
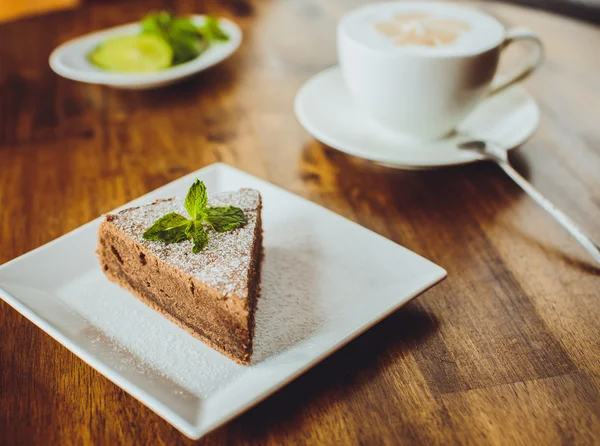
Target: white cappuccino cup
<point>419,68</point>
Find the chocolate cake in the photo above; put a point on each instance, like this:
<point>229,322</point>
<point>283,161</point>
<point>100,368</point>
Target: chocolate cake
<point>211,294</point>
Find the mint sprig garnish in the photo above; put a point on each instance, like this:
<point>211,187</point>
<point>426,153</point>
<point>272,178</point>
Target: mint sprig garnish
<point>175,228</point>
<point>186,39</point>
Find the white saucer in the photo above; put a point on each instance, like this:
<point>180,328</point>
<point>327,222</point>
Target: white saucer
<point>326,110</point>
<point>70,59</point>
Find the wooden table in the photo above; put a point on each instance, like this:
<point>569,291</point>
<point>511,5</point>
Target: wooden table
<point>505,351</point>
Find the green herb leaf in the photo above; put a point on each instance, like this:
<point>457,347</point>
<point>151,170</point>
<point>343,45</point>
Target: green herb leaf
<point>196,199</point>
<point>185,25</point>
<point>156,23</point>
<point>212,31</point>
<point>180,33</point>
<point>186,46</point>
<point>173,227</point>
<point>198,234</point>
<point>170,228</point>
<point>225,218</point>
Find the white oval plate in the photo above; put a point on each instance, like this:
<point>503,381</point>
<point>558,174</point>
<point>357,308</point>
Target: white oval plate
<point>326,110</point>
<point>70,59</point>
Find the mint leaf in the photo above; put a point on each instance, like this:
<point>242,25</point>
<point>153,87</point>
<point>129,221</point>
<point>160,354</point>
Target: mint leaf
<point>185,39</point>
<point>212,31</point>
<point>185,25</point>
<point>186,45</point>
<point>198,234</point>
<point>170,228</point>
<point>225,218</point>
<point>156,23</point>
<point>196,199</point>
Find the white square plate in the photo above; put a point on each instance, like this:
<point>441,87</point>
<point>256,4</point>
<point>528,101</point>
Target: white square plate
<point>325,281</point>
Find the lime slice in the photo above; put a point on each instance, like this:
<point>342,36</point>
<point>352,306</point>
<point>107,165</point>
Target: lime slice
<point>133,54</point>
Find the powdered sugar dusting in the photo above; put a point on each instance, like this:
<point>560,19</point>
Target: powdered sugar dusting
<point>142,341</point>
<point>224,263</point>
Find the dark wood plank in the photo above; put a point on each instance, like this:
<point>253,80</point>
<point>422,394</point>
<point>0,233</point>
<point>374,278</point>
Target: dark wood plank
<point>505,351</point>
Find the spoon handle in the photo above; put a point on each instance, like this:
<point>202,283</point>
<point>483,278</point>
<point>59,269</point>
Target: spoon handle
<point>590,246</point>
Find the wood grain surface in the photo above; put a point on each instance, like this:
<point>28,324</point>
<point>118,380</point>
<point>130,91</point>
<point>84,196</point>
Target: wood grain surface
<point>505,351</point>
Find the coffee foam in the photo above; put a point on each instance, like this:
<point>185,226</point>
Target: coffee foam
<point>422,28</point>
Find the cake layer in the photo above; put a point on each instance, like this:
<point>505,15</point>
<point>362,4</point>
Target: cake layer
<point>211,294</point>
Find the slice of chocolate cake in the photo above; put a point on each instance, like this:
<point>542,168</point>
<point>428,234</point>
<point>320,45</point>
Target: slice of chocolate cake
<point>212,293</point>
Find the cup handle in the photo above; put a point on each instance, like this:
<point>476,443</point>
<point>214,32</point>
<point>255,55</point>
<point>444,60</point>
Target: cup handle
<point>535,60</point>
